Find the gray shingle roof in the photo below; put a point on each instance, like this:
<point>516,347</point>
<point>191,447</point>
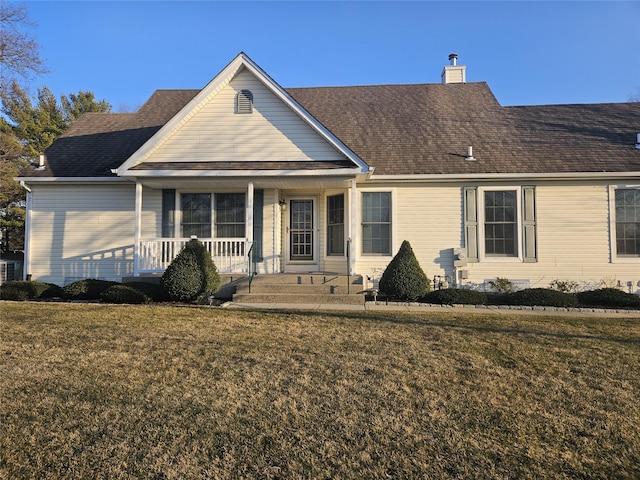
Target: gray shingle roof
<point>398,129</point>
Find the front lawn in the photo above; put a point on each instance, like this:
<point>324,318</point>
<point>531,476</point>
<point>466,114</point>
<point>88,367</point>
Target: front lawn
<point>100,391</point>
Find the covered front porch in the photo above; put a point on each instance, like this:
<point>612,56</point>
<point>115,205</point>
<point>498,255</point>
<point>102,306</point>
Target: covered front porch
<point>281,225</point>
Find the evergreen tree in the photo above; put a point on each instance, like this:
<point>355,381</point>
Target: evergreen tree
<point>192,274</point>
<point>404,278</point>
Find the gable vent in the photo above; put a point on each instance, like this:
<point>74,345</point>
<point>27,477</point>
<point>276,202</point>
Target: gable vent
<point>244,101</point>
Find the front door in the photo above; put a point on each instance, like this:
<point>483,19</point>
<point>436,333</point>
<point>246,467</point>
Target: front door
<point>302,231</point>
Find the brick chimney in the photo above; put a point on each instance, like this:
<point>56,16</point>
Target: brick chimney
<point>454,73</point>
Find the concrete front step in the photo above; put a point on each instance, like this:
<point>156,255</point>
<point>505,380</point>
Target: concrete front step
<point>306,279</point>
<point>295,289</point>
<point>286,298</point>
<point>301,288</point>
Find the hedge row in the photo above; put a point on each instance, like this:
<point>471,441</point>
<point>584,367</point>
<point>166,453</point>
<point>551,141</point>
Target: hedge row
<point>88,289</point>
<point>143,292</point>
<point>600,298</point>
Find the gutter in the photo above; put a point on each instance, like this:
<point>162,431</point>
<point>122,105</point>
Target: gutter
<point>70,179</point>
<point>433,178</point>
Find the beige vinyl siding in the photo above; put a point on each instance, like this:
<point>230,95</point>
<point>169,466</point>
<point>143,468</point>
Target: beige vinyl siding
<point>151,222</point>
<point>572,222</point>
<point>573,241</point>
<point>271,132</point>
<point>429,218</point>
<point>81,231</point>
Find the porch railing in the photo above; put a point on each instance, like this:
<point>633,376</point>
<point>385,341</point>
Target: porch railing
<point>229,254</point>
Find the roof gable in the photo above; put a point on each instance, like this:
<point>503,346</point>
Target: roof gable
<point>201,131</point>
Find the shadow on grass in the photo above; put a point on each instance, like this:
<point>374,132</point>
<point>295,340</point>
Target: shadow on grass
<point>477,323</point>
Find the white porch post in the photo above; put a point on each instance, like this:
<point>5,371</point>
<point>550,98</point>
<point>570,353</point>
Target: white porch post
<point>249,218</point>
<point>136,230</point>
<point>353,228</point>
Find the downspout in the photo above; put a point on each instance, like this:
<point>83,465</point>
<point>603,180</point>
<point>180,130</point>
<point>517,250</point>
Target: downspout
<point>26,267</point>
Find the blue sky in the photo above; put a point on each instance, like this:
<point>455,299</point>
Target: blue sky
<point>528,52</point>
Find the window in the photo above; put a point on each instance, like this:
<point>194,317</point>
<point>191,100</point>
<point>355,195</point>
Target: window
<point>500,223</point>
<point>376,223</point>
<point>196,215</point>
<point>244,101</point>
<point>335,225</point>
<point>168,212</point>
<point>230,215</point>
<point>627,221</point>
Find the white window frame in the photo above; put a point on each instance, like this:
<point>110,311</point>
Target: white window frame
<point>482,256</point>
<point>178,211</point>
<point>394,206</point>
<point>613,241</point>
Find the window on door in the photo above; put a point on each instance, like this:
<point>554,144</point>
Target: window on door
<point>196,215</point>
<point>301,230</point>
<point>335,225</point>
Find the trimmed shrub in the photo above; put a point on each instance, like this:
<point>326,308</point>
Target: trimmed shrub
<point>451,296</point>
<point>88,289</point>
<point>123,294</point>
<point>152,290</point>
<point>609,297</point>
<point>23,290</point>
<point>54,291</point>
<point>543,297</point>
<point>404,278</point>
<point>192,274</point>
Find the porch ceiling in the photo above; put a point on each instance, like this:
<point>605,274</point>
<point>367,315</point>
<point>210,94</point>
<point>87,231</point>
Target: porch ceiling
<point>240,183</point>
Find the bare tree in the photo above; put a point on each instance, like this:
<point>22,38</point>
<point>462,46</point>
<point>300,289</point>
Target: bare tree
<point>19,51</point>
<point>635,97</point>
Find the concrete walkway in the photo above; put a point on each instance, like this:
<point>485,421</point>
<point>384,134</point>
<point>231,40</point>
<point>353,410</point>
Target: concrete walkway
<point>421,308</point>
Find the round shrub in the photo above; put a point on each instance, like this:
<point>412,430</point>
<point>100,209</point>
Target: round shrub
<point>451,296</point>
<point>404,278</point>
<point>53,291</point>
<point>609,297</point>
<point>12,291</point>
<point>88,289</point>
<point>123,294</point>
<point>192,274</point>
<point>25,290</point>
<point>543,297</point>
<point>152,290</point>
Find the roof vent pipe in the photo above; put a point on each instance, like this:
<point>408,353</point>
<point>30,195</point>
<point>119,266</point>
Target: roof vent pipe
<point>453,58</point>
<point>470,156</point>
<point>638,141</point>
<point>41,161</point>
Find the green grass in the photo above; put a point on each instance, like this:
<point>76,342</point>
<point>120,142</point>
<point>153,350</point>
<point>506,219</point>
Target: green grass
<point>96,391</point>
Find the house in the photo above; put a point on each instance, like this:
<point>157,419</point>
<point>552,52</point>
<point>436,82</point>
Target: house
<point>333,179</point>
